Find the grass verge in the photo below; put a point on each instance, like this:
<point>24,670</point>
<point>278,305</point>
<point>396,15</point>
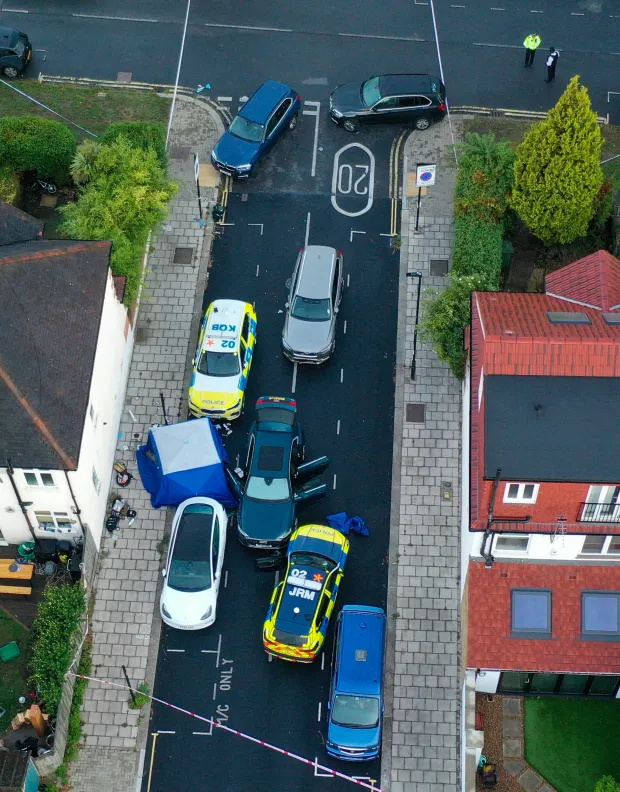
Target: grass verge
<point>572,742</point>
<point>91,108</point>
<point>14,674</point>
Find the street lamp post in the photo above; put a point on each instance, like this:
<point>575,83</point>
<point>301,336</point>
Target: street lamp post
<point>417,275</point>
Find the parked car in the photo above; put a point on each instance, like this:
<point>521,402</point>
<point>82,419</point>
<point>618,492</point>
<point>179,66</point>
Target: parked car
<point>355,706</point>
<point>273,108</point>
<point>302,603</point>
<point>418,99</point>
<point>15,51</point>
<point>194,565</point>
<point>274,476</point>
<point>223,359</point>
<point>317,285</point>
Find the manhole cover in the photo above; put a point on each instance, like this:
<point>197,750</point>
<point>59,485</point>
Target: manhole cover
<point>183,255</point>
<point>179,152</point>
<point>414,413</point>
<point>123,77</point>
<point>439,267</point>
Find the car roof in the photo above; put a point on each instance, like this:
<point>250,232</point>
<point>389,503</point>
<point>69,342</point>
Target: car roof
<point>316,268</point>
<point>272,455</point>
<point>360,647</point>
<point>263,101</point>
<point>319,539</point>
<point>299,601</point>
<point>8,36</point>
<point>226,312</point>
<point>396,84</point>
<point>192,538</point>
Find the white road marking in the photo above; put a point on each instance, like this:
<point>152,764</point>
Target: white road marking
<point>334,484</point>
<point>226,579</point>
<point>338,427</point>
<point>257,269</point>
<point>323,661</point>
<point>15,11</point>
<point>574,13</point>
<point>257,224</point>
<point>341,375</point>
<point>202,734</point>
<point>115,18</point>
<point>316,113</point>
<point>250,27</point>
<point>243,99</point>
<point>345,326</point>
<point>307,230</point>
<point>343,181</point>
<point>214,690</point>
<point>161,731</point>
<point>315,81</point>
<point>497,9</point>
<point>270,658</point>
<point>178,74</point>
<point>502,46</point>
<point>535,12</point>
<point>354,232</point>
<point>215,651</point>
<point>175,650</point>
<point>319,715</point>
<point>318,773</point>
<point>389,235</point>
<point>386,38</point>
<point>457,6</point>
<point>224,98</point>
<point>294,383</point>
<point>348,279</point>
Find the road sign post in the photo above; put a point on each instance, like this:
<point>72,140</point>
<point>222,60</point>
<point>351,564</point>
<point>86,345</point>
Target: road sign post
<point>425,177</point>
<point>197,178</point>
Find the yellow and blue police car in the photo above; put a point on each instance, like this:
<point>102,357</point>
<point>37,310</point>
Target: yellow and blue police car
<point>302,603</point>
<point>223,359</point>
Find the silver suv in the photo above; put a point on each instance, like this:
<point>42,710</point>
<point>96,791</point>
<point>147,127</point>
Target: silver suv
<point>309,334</point>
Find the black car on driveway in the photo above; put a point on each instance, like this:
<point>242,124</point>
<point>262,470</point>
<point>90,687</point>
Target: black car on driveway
<point>417,99</point>
<point>15,51</point>
<point>276,479</point>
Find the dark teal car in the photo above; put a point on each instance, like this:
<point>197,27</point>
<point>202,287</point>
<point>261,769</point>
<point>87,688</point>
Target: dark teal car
<point>273,108</point>
<point>276,479</point>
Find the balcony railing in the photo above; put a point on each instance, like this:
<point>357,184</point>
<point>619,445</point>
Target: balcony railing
<point>600,513</point>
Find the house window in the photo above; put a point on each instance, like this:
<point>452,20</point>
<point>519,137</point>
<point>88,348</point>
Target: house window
<point>521,493</point>
<point>600,615</point>
<point>35,478</point>
<point>602,505</point>
<point>531,613</point>
<point>595,545</point>
<point>53,521</point>
<point>96,482</point>
<point>512,543</point>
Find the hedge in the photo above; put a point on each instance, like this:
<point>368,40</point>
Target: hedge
<point>30,143</point>
<point>9,186</point>
<point>139,135</point>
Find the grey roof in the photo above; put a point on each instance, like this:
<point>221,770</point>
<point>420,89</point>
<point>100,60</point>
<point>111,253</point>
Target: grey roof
<point>315,282</point>
<point>552,428</point>
<point>17,226</point>
<point>51,297</point>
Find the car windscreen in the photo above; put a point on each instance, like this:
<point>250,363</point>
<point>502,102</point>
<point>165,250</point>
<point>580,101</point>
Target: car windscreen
<point>190,565</point>
<point>370,92</point>
<point>357,712</point>
<point>312,560</point>
<point>267,489</point>
<point>246,130</point>
<point>218,364</point>
<point>311,310</point>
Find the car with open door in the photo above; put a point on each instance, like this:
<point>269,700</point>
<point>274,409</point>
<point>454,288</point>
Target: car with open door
<point>302,602</point>
<point>194,563</point>
<point>276,478</point>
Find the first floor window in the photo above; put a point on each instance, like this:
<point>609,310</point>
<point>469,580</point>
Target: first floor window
<point>53,521</point>
<point>35,478</point>
<point>512,543</point>
<point>521,493</point>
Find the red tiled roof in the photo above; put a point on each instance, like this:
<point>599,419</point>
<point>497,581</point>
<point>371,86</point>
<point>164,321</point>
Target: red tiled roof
<point>594,280</point>
<point>489,644</point>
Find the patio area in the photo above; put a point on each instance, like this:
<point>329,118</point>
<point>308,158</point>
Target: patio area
<point>22,608</point>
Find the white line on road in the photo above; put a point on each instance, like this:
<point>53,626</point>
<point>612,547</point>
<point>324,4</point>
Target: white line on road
<point>176,650</point>
<point>345,326</point>
<point>294,383</point>
<point>307,230</point>
<point>334,486</point>
<point>202,734</point>
<point>341,375</point>
<point>257,224</point>
<point>354,232</point>
<point>224,98</point>
<point>535,12</point>
<point>316,113</point>
<point>15,11</point>
<point>319,716</point>
<point>250,27</point>
<point>214,690</point>
<point>318,773</point>
<point>115,18</point>
<point>574,13</point>
<point>257,269</point>
<point>176,79</point>
<point>385,38</point>
<point>348,279</point>
<point>226,579</point>
<point>486,44</point>
<point>338,427</point>
<point>323,661</point>
<point>161,731</point>
<point>497,9</point>
<point>457,6</point>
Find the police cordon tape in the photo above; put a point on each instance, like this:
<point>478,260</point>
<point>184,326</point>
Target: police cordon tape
<point>249,737</point>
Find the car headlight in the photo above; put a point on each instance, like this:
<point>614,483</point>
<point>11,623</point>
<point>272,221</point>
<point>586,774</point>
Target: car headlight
<point>243,168</point>
<point>336,113</point>
<point>164,610</point>
<point>207,614</point>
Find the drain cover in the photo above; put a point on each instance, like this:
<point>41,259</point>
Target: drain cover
<point>415,413</point>
<point>439,267</point>
<point>183,255</point>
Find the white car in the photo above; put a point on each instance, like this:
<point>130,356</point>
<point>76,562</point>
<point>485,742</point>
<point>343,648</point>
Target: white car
<point>194,564</point>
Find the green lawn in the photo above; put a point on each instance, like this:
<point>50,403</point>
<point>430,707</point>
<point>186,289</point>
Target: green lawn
<point>91,108</point>
<point>572,742</point>
<point>14,674</point>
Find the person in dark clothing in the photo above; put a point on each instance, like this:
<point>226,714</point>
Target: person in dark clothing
<point>552,60</point>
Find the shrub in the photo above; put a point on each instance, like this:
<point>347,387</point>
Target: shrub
<point>141,696</point>
<point>57,620</point>
<point>139,135</point>
<point>607,784</point>
<point>31,143</point>
<point>478,250</point>
<point>9,186</point>
<point>74,728</point>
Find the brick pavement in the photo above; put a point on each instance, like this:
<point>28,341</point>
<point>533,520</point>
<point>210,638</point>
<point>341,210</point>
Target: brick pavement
<point>424,556</point>
<point>124,631</point>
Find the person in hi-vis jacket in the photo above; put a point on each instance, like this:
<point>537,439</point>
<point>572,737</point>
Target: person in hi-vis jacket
<point>531,44</point>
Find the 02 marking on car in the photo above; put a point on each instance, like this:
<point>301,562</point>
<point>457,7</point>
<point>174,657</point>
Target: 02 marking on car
<point>353,180</point>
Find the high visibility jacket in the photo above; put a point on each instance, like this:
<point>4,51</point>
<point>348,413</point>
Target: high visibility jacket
<point>532,42</point>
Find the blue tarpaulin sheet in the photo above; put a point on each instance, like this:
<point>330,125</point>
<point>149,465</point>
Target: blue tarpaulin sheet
<point>184,460</point>
<point>345,524</point>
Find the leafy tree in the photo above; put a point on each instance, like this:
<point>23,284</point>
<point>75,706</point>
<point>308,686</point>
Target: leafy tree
<point>557,171</point>
<point>607,784</point>
<point>485,177</point>
<point>125,197</point>
<point>83,162</point>
<point>31,143</point>
<point>139,135</point>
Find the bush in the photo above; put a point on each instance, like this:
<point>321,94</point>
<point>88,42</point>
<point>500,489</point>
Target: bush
<point>139,135</point>
<point>58,618</point>
<point>9,186</point>
<point>74,729</point>
<point>607,784</point>
<point>31,143</point>
<point>141,696</point>
<point>478,250</point>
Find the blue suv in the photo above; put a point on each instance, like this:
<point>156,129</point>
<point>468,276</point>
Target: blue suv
<point>355,708</point>
<point>273,108</point>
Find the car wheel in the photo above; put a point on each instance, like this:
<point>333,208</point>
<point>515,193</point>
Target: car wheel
<point>422,123</point>
<point>351,125</point>
<point>293,122</point>
<point>10,71</point>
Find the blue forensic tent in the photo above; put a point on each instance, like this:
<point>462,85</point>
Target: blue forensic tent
<point>182,461</point>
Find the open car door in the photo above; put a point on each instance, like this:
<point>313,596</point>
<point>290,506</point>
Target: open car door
<point>310,470</point>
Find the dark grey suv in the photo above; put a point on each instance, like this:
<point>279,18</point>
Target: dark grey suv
<point>15,51</point>
<point>417,99</point>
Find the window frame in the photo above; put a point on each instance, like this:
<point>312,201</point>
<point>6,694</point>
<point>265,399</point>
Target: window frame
<point>607,540</point>
<point>593,635</point>
<point>507,551</point>
<point>54,519</point>
<point>38,474</point>
<point>520,499</point>
<point>531,632</point>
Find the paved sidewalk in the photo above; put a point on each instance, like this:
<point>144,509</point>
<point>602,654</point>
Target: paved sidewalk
<point>424,562</point>
<point>123,629</point>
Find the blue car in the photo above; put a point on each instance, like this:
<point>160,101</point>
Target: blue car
<point>355,707</point>
<point>273,108</point>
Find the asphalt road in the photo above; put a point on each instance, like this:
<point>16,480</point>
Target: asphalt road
<point>346,409</point>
